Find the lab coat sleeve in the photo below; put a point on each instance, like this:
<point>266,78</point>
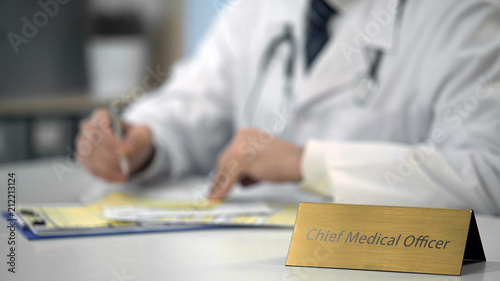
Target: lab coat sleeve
<point>190,115</point>
<point>458,166</point>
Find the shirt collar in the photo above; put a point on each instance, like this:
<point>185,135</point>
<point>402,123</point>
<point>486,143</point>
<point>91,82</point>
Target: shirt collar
<point>342,6</point>
<point>374,21</point>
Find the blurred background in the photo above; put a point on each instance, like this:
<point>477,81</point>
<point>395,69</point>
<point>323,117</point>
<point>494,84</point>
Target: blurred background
<point>59,59</point>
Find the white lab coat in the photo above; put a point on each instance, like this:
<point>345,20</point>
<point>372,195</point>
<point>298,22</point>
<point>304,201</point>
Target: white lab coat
<point>430,136</point>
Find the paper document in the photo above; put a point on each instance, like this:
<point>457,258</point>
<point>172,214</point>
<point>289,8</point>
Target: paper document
<point>132,213</point>
<point>205,212</point>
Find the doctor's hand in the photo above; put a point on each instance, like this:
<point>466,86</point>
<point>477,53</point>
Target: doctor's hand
<point>254,155</point>
<point>99,150</point>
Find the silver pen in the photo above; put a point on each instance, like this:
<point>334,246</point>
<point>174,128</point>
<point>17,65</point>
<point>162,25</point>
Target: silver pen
<point>117,129</point>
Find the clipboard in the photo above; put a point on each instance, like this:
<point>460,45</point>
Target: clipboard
<point>30,235</point>
<point>58,221</point>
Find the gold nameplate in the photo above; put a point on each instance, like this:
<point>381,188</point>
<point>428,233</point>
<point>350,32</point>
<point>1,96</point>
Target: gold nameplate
<point>406,239</point>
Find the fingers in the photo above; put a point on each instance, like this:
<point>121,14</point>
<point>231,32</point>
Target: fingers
<point>98,162</point>
<point>229,171</point>
<point>102,169</point>
<point>253,156</point>
<point>231,167</point>
<point>97,147</point>
<point>137,147</point>
<point>135,137</point>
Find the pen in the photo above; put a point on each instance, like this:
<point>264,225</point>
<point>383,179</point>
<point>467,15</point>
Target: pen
<point>117,129</point>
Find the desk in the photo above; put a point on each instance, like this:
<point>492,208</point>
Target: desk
<point>217,254</point>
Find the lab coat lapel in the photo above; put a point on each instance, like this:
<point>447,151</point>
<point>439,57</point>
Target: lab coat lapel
<point>343,58</point>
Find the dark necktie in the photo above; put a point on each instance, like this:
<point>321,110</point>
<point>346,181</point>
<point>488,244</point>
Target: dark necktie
<point>317,29</point>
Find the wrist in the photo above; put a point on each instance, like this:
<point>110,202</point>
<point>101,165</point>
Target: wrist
<point>145,161</point>
<point>314,169</point>
<point>293,164</point>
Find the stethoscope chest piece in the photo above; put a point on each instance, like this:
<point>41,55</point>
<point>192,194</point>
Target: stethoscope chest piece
<point>363,89</point>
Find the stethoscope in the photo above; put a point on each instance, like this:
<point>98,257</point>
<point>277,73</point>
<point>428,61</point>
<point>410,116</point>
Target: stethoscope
<point>286,37</point>
<point>363,87</point>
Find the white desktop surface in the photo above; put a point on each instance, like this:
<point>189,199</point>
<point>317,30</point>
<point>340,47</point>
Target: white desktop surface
<point>216,254</point>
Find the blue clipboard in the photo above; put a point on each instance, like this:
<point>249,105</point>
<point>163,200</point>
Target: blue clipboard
<point>28,234</point>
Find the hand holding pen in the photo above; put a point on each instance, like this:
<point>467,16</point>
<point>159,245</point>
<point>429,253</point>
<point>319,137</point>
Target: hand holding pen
<point>118,131</point>
<point>108,153</point>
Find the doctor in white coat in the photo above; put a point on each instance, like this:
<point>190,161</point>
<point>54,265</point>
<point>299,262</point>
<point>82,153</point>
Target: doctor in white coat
<point>401,106</point>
